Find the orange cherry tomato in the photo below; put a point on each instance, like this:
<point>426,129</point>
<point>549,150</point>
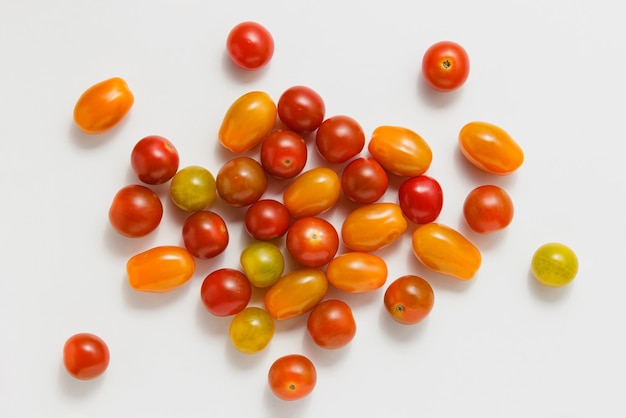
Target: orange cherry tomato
<point>490,148</point>
<point>372,227</point>
<point>292,377</point>
<point>247,122</point>
<point>160,269</point>
<point>446,251</point>
<point>331,324</point>
<point>312,192</point>
<point>400,151</point>
<point>296,293</point>
<point>103,105</point>
<point>357,272</point>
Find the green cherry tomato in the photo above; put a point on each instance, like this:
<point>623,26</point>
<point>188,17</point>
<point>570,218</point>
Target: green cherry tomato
<point>251,330</point>
<point>193,188</point>
<point>263,263</point>
<point>554,264</point>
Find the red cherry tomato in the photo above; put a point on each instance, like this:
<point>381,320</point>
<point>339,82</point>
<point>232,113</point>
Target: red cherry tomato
<point>154,160</point>
<point>339,138</point>
<point>205,234</point>
<point>103,105</point>
<point>135,211</point>
<point>292,377</point>
<point>331,324</point>
<point>312,241</point>
<point>283,154</point>
<point>267,219</point>
<point>85,356</point>
<point>160,269</point>
<point>225,292</point>
<point>301,109</point>
<point>250,45</point>
<point>241,181</point>
<point>445,66</point>
<point>421,199</point>
<point>409,299</point>
<point>364,180</point>
<point>488,209</point>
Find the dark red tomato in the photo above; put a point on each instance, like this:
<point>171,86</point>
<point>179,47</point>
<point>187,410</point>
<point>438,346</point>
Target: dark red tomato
<point>331,324</point>
<point>488,209</point>
<point>250,45</point>
<point>421,199</point>
<point>364,180</point>
<point>205,234</point>
<point>85,356</point>
<point>241,181</point>
<point>267,219</point>
<point>292,377</point>
<point>301,108</point>
<point>445,66</point>
<point>339,138</point>
<point>283,154</point>
<point>135,211</point>
<point>409,299</point>
<point>225,292</point>
<point>154,160</point>
<point>312,241</point>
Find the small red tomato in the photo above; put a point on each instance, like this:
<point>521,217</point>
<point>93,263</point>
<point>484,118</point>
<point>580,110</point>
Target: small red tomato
<point>409,299</point>
<point>135,211</point>
<point>421,199</point>
<point>225,292</point>
<point>85,356</point>
<point>331,324</point>
<point>205,234</point>
<point>364,180</point>
<point>488,209</point>
<point>301,109</point>
<point>283,154</point>
<point>339,138</point>
<point>241,181</point>
<point>292,377</point>
<point>103,105</point>
<point>250,45</point>
<point>312,241</point>
<point>154,160</point>
<point>445,66</point>
<point>267,219</point>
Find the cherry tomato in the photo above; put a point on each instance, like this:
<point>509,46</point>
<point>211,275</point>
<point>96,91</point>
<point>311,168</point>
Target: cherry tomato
<point>490,148</point>
<point>154,160</point>
<point>85,356</point>
<point>267,219</point>
<point>301,109</point>
<point>241,181</point>
<point>313,192</point>
<point>339,138</point>
<point>445,250</point>
<point>193,188</point>
<point>421,199</point>
<point>364,180</point>
<point>312,241</point>
<point>400,151</point>
<point>488,208</point>
<point>554,264</point>
<point>296,293</point>
<point>292,377</point>
<point>283,154</point>
<point>263,263</point>
<point>357,272</point>
<point>247,122</point>
<point>225,292</point>
<point>205,234</point>
<point>445,66</point>
<point>331,324</point>
<point>250,45</point>
<point>251,330</point>
<point>160,269</point>
<point>372,227</point>
<point>135,211</point>
<point>103,105</point>
<point>409,299</point>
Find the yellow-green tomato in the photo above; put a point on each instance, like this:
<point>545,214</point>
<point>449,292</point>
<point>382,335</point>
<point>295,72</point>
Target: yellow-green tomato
<point>262,262</point>
<point>554,264</point>
<point>296,293</point>
<point>193,188</point>
<point>251,330</point>
<point>247,122</point>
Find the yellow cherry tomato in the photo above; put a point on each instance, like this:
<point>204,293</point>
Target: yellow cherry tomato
<point>490,148</point>
<point>554,264</point>
<point>296,293</point>
<point>357,272</point>
<point>160,269</point>
<point>103,105</point>
<point>312,192</point>
<point>373,226</point>
<point>251,330</point>
<point>400,151</point>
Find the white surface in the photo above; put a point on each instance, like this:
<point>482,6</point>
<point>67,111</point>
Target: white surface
<point>550,73</point>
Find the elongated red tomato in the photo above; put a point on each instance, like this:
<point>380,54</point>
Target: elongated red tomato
<point>312,192</point>
<point>490,148</point>
<point>247,122</point>
<point>400,151</point>
<point>372,227</point>
<point>160,269</point>
<point>357,272</point>
<point>296,293</point>
<point>103,105</point>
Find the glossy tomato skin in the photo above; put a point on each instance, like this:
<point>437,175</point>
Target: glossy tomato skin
<point>103,105</point>
<point>445,66</point>
<point>312,193</point>
<point>296,293</point>
<point>554,264</point>
<point>488,208</point>
<point>267,219</point>
<point>312,241</point>
<point>154,160</point>
<point>372,227</point>
<point>490,148</point>
<point>331,324</point>
<point>85,356</point>
<point>248,120</point>
<point>292,377</point>
<point>339,138</point>
<point>421,199</point>
<point>205,234</point>
<point>400,151</point>
<point>364,180</point>
<point>250,45</point>
<point>263,263</point>
<point>357,272</point>
<point>225,292</point>
<point>160,269</point>
<point>135,211</point>
<point>283,154</point>
<point>301,109</point>
<point>241,181</point>
<point>409,299</point>
<point>193,188</point>
<point>251,330</point>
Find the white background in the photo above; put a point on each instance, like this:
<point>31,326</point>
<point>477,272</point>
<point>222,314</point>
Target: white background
<point>550,73</point>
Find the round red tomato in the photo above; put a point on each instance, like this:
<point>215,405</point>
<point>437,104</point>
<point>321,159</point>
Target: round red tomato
<point>250,45</point>
<point>488,208</point>
<point>301,108</point>
<point>85,356</point>
<point>364,180</point>
<point>312,241</point>
<point>205,234</point>
<point>409,299</point>
<point>225,292</point>
<point>241,181</point>
<point>154,160</point>
<point>445,66</point>
<point>331,324</point>
<point>267,219</point>
<point>292,377</point>
<point>421,199</point>
<point>283,154</point>
<point>339,138</point>
<point>135,211</point>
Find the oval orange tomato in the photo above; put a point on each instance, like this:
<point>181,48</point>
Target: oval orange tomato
<point>490,148</point>
<point>103,105</point>
<point>357,272</point>
<point>160,269</point>
<point>400,151</point>
<point>296,293</point>
<point>312,192</point>
<point>372,227</point>
<point>247,121</point>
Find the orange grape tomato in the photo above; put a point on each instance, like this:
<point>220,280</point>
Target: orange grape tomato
<point>296,293</point>
<point>160,269</point>
<point>357,272</point>
<point>247,122</point>
<point>446,251</point>
<point>372,227</point>
<point>312,192</point>
<point>103,105</point>
<point>490,148</point>
<point>400,151</point>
